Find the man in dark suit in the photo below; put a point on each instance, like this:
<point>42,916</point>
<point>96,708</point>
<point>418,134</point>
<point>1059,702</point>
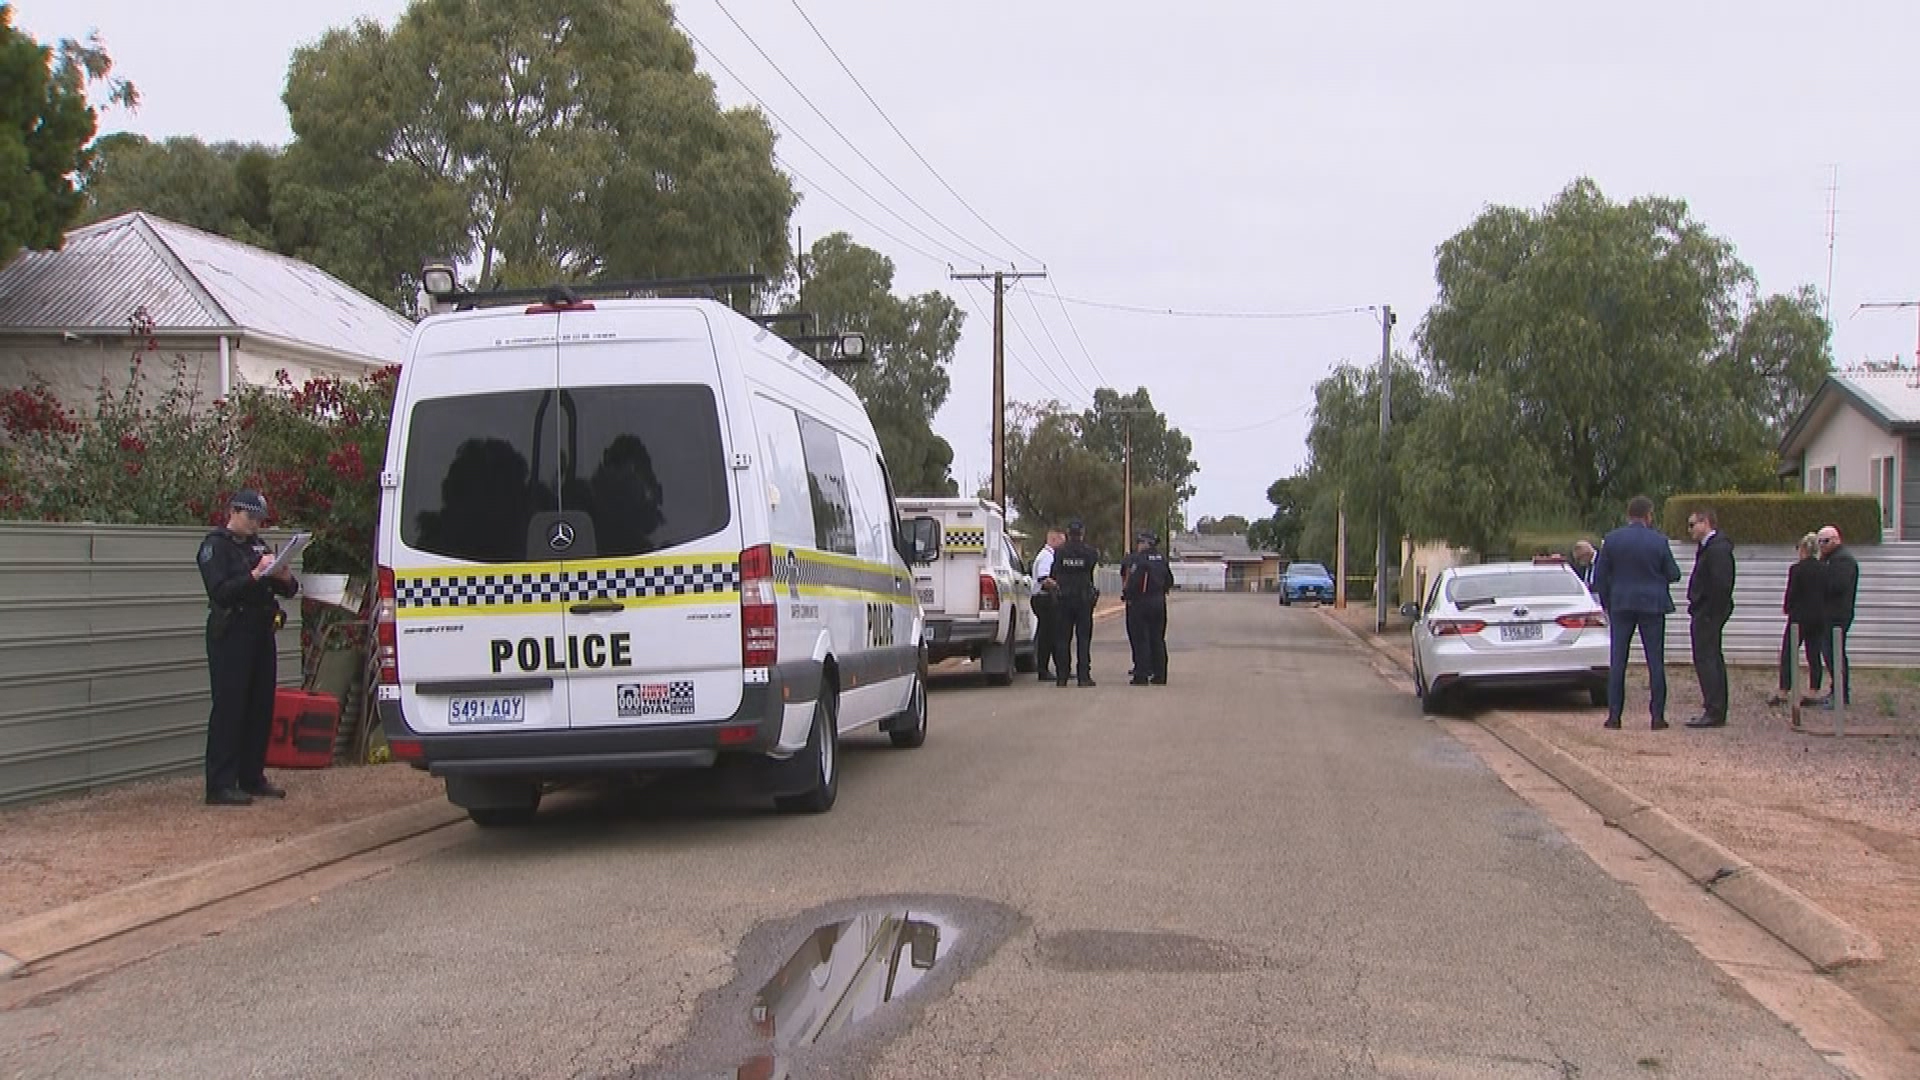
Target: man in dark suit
<point>1709,606</point>
<point>1583,559</point>
<point>1633,580</point>
<point>1843,593</point>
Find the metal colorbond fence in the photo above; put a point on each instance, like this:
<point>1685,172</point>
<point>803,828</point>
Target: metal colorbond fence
<point>103,674</point>
<point>1886,629</point>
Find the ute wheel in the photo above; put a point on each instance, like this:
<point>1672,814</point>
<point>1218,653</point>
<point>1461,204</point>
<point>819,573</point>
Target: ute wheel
<point>1001,674</point>
<point>822,756</point>
<point>915,732</point>
<point>1026,662</point>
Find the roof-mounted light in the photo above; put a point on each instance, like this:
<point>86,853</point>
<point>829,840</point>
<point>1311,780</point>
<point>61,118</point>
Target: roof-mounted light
<point>438,279</point>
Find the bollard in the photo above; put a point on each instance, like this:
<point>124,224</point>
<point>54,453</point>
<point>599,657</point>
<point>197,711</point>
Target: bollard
<point>1837,680</point>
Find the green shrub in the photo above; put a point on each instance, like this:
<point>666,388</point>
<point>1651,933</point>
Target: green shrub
<point>1778,518</point>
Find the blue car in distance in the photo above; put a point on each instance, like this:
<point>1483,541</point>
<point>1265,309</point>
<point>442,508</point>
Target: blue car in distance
<point>1306,581</point>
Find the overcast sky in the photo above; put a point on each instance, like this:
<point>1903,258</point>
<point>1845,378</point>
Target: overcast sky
<point>1235,156</point>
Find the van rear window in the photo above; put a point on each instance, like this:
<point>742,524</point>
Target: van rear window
<point>488,475</point>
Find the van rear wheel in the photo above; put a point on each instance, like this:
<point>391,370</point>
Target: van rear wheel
<point>821,758</point>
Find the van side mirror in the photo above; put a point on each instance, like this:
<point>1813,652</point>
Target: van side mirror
<point>920,540</point>
<point>1410,611</point>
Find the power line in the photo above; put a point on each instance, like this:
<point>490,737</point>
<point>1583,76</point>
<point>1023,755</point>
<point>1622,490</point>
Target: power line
<point>1099,375</point>
<point>1179,313</point>
<point>831,51</point>
<point>1267,423</point>
<point>1028,338</point>
<point>1057,351</point>
<point>857,215</point>
<point>1045,386</point>
<point>789,128</point>
<point>835,128</point>
<point>1084,351</point>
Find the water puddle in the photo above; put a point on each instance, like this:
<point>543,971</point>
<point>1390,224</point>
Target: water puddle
<point>841,974</point>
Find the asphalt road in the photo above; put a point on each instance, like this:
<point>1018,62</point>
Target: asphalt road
<point>1272,868</point>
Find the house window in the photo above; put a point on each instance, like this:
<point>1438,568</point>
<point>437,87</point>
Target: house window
<point>1880,473</point>
<point>1827,480</point>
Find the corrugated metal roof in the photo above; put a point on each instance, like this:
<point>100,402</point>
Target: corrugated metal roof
<point>1895,393</point>
<point>192,280</point>
<point>97,279</point>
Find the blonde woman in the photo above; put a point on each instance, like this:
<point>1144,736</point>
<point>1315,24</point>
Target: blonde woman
<point>1805,607</point>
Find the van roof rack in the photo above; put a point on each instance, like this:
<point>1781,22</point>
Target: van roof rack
<point>561,295</point>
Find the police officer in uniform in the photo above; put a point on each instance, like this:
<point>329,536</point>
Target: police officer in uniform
<point>243,613</point>
<point>1073,605</point>
<point>1135,635</point>
<point>1044,629</point>
<point>1146,594</point>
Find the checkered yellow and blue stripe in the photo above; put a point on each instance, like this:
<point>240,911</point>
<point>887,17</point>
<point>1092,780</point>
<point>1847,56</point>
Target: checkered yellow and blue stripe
<point>963,540</point>
<point>810,573</point>
<point>544,588</point>
<point>529,588</point>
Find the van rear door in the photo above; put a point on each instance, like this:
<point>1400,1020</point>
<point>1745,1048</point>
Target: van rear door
<point>963,557</point>
<point>476,630</point>
<point>653,600</point>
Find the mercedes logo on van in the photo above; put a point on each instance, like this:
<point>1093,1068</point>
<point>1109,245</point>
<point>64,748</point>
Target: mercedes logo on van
<point>561,538</point>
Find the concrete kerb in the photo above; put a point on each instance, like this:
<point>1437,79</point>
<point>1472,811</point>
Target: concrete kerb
<point>1825,939</point>
<point>29,941</point>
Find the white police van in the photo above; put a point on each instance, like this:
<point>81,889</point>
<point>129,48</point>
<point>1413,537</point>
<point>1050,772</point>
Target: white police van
<point>632,535</point>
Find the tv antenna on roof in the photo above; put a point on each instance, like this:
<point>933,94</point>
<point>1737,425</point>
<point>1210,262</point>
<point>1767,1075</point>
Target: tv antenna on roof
<point>1915,381</point>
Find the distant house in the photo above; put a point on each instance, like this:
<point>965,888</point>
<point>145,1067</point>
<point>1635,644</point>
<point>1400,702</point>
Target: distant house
<point>1222,563</point>
<point>236,313</point>
<point>1860,435</point>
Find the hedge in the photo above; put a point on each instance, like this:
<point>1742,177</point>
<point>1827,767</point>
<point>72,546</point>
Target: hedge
<point>1778,518</point>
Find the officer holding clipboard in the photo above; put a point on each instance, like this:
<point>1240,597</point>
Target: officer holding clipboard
<point>244,583</point>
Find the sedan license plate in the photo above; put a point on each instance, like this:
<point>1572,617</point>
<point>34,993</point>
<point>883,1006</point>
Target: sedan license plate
<point>497,709</point>
<point>1521,632</point>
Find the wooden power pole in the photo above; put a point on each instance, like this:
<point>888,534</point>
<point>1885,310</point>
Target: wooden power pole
<point>1000,279</point>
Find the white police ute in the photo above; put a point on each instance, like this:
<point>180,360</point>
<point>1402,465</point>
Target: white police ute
<point>622,536</point>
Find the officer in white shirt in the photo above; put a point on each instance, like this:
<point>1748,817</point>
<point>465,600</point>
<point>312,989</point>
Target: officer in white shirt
<point>1045,605</point>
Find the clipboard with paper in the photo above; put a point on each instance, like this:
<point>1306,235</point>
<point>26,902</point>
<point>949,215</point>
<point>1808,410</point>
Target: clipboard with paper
<point>287,554</point>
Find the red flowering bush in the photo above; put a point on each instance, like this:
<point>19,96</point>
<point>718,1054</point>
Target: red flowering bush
<point>315,451</point>
<point>137,458</point>
<point>163,456</point>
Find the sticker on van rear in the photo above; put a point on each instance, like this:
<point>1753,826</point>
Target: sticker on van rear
<point>656,699</point>
<point>962,540</point>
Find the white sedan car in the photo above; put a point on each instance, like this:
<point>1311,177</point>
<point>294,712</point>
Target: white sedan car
<point>1520,624</point>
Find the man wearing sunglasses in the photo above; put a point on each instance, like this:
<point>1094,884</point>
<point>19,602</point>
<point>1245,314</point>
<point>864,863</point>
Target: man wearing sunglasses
<point>243,611</point>
<point>1843,588</point>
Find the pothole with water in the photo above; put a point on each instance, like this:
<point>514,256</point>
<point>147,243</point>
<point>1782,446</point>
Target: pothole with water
<point>845,981</point>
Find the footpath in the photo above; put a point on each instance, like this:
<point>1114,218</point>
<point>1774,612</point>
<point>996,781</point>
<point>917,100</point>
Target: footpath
<point>1814,838</point>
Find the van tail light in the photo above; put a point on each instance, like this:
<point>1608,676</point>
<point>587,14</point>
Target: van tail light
<point>406,750</point>
<point>1457,627</point>
<point>989,593</point>
<point>386,629</point>
<point>1583,620</point>
<point>759,609</point>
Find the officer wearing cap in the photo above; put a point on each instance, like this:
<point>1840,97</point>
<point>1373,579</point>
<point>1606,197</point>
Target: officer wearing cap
<point>243,611</point>
<point>1146,596</point>
<point>1072,586</point>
